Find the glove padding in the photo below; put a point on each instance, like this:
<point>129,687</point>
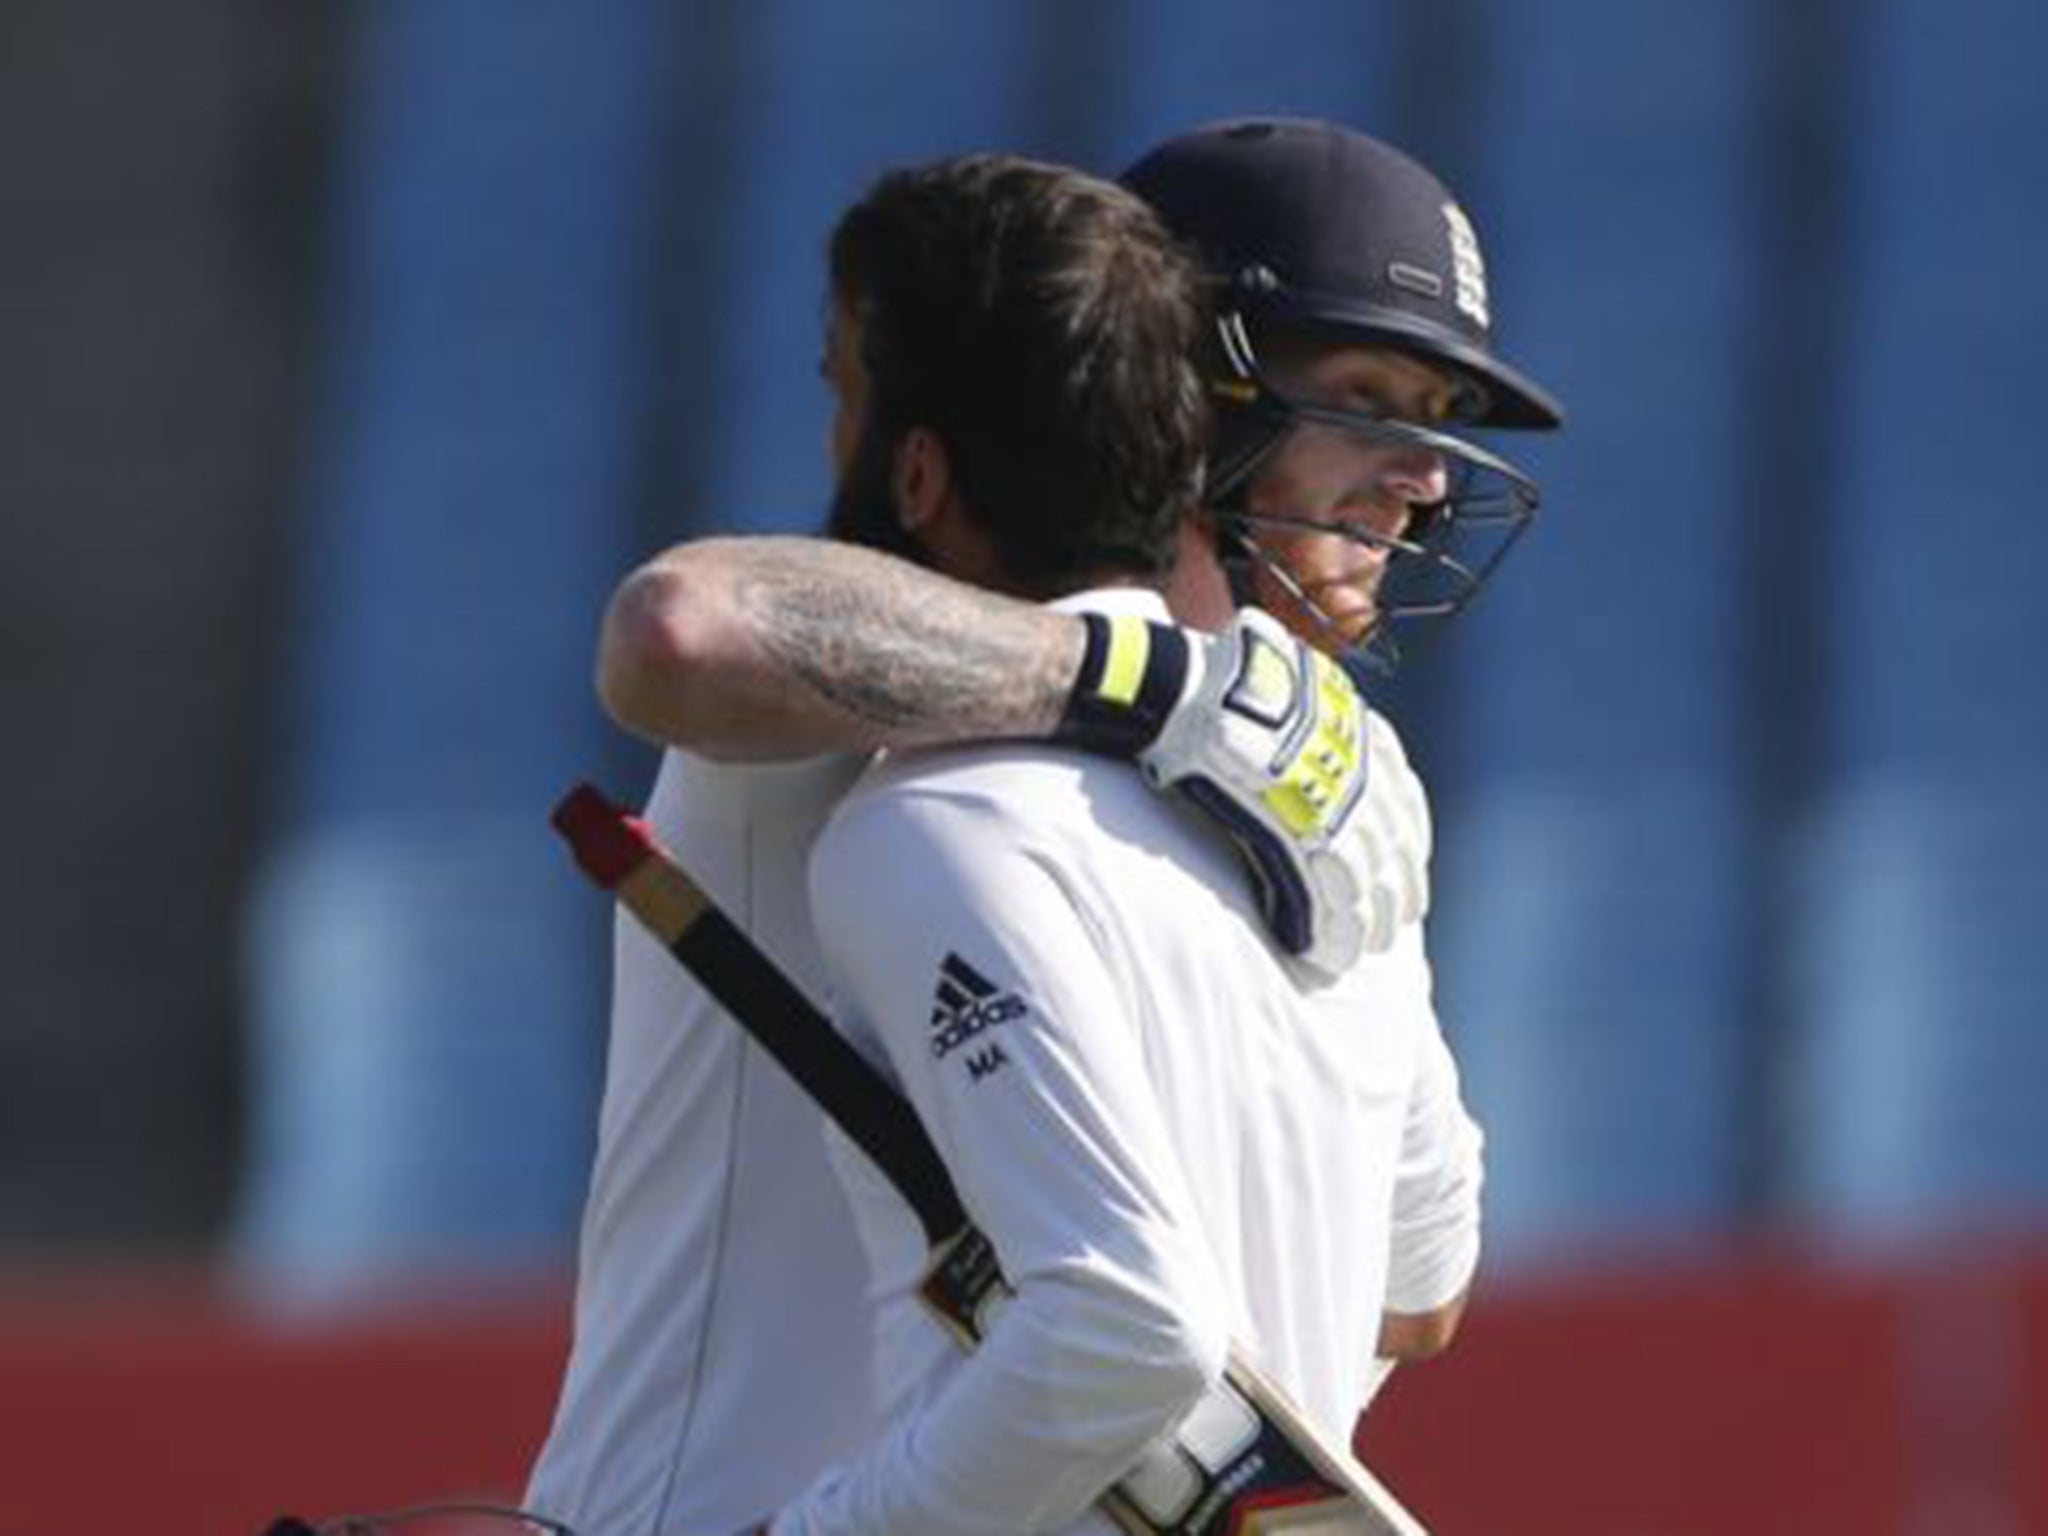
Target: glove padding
<point>1271,739</point>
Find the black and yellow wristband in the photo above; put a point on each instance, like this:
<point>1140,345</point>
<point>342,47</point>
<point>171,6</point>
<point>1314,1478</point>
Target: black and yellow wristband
<point>1131,677</point>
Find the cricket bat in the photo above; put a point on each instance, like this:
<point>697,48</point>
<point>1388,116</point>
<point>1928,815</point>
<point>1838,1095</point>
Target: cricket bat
<point>1245,1462</point>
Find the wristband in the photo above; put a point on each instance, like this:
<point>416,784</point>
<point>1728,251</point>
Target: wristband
<point>1132,674</point>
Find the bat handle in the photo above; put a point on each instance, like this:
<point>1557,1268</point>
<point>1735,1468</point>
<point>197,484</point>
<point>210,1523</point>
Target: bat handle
<point>619,854</point>
<point>608,843</point>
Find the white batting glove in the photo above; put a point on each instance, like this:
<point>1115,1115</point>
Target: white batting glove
<point>1268,738</point>
<point>1271,739</point>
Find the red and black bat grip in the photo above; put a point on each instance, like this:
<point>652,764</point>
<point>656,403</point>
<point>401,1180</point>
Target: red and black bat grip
<point>612,846</point>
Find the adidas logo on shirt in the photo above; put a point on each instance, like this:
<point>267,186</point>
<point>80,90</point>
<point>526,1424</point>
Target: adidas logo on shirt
<point>965,1004</point>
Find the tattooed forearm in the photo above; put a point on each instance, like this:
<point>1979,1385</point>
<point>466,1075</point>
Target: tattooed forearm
<point>918,658</point>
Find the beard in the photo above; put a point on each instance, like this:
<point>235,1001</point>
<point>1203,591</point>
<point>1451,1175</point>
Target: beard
<point>863,508</point>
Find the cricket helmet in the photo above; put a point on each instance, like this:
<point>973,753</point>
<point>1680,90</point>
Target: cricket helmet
<point>1318,231</point>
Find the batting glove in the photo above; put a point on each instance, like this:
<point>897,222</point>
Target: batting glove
<point>1270,739</point>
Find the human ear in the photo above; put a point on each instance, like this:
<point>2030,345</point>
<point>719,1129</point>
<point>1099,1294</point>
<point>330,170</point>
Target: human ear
<point>920,478</point>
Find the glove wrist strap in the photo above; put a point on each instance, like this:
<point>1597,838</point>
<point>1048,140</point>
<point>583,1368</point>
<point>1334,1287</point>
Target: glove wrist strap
<point>1131,677</point>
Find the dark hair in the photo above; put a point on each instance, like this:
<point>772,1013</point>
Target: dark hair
<point>1041,324</point>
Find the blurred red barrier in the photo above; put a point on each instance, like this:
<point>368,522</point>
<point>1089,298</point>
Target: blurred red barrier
<point>153,1405</point>
<point>1753,1397</point>
<point>1721,1397</point>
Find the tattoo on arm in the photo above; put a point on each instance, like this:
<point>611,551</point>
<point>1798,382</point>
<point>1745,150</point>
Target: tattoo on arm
<point>919,658</point>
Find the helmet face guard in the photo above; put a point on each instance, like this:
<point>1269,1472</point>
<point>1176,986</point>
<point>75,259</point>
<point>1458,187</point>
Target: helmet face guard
<point>1326,233</point>
<point>1434,566</point>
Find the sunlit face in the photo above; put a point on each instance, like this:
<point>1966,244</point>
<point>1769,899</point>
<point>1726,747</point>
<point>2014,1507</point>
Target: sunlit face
<point>1347,483</point>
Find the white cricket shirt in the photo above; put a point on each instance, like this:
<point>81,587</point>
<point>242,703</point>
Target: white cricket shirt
<point>1169,1133</point>
<point>722,1335</point>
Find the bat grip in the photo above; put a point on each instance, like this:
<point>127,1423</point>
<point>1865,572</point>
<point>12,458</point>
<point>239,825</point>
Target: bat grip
<point>608,843</point>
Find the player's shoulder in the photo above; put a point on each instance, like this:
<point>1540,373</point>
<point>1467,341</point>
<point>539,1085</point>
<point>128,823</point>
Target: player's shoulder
<point>1030,778</point>
<point>989,805</point>
<point>994,791</point>
<point>690,788</point>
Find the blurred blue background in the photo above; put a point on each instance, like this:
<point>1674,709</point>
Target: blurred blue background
<point>354,352</point>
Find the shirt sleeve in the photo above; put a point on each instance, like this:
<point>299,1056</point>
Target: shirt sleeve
<point>959,954</point>
<point>1435,1228</point>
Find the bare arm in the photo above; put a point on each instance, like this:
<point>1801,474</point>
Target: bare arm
<point>763,648</point>
<point>767,648</point>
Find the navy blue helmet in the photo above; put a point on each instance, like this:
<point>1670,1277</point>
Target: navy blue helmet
<point>1322,233</point>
